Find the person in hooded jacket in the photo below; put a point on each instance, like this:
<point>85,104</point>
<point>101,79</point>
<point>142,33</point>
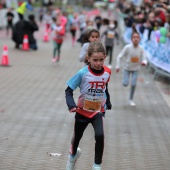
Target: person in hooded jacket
<point>23,27</point>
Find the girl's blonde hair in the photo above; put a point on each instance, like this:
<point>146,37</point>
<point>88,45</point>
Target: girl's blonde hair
<point>94,47</point>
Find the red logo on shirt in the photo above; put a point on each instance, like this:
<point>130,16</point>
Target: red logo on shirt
<point>97,84</point>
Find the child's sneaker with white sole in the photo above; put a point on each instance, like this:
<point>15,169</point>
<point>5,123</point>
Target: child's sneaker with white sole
<point>71,162</point>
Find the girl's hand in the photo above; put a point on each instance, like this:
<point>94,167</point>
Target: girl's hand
<point>143,64</point>
<point>117,70</point>
<point>73,110</point>
<point>109,106</point>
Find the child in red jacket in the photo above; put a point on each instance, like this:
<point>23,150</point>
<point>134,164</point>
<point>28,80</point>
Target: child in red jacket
<point>59,30</point>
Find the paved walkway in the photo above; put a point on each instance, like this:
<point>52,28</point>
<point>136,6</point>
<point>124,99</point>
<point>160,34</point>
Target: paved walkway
<point>34,120</point>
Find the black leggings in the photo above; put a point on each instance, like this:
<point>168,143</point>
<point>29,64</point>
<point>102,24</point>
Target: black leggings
<point>81,123</point>
<point>9,25</point>
<point>73,33</point>
<point>57,47</point>
<point>109,50</point>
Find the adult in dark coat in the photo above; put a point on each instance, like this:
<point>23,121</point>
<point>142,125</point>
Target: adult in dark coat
<point>23,27</point>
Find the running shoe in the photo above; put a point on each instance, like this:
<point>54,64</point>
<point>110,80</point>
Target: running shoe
<point>71,162</point>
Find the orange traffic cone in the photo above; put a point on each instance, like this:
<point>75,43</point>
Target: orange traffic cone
<point>46,39</point>
<point>5,61</point>
<point>25,44</point>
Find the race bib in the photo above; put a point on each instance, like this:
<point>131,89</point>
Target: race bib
<point>110,34</point>
<point>93,102</point>
<point>135,59</point>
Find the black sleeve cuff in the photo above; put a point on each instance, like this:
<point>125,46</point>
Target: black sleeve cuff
<point>69,98</point>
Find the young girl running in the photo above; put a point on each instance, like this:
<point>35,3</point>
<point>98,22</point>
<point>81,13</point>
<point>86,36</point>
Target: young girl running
<point>58,39</point>
<point>93,100</point>
<point>92,36</point>
<point>73,28</point>
<point>110,35</point>
<point>134,57</point>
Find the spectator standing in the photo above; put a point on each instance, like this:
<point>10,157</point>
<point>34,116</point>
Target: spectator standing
<point>23,7</point>
<point>10,17</point>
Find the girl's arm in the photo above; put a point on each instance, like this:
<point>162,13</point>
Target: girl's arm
<point>62,31</point>
<point>119,57</point>
<point>69,100</point>
<point>144,60</point>
<point>83,52</point>
<point>108,103</point>
<point>117,37</point>
<point>104,33</point>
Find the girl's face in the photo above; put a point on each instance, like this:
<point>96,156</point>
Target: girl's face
<point>96,60</point>
<point>94,37</point>
<point>135,39</point>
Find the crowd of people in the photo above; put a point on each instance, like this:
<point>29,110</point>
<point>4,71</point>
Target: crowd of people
<point>152,21</point>
<point>150,15</point>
